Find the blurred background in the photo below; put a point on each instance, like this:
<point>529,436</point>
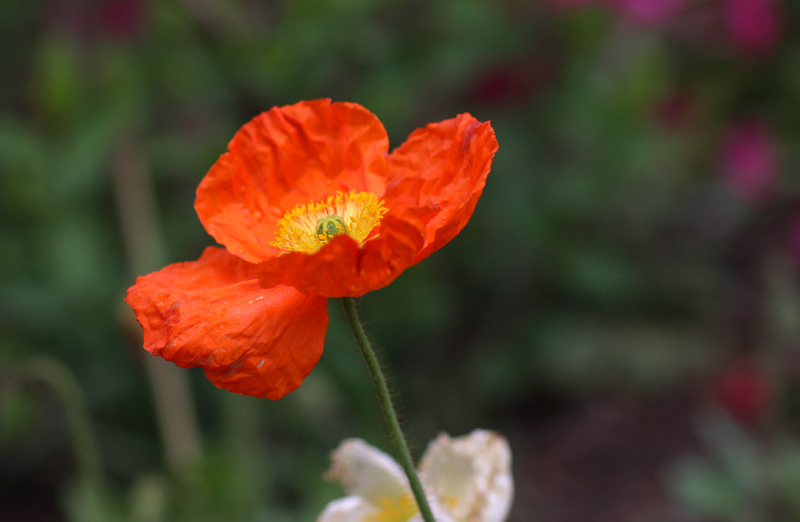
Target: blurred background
<point>623,305</point>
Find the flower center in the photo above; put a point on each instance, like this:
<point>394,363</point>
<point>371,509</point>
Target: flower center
<point>394,510</point>
<point>330,226</point>
<point>307,228</point>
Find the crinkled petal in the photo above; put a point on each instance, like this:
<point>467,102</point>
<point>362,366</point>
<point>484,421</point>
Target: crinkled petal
<point>367,472</point>
<point>437,176</point>
<point>213,313</point>
<point>348,509</point>
<point>342,269</point>
<point>285,157</point>
<point>470,475</point>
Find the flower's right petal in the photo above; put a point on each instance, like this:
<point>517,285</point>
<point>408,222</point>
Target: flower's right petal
<point>213,313</point>
<point>437,176</point>
<point>368,472</point>
<point>470,475</point>
<point>286,157</point>
<point>348,509</point>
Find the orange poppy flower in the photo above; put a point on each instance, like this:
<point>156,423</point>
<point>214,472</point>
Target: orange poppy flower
<point>309,204</point>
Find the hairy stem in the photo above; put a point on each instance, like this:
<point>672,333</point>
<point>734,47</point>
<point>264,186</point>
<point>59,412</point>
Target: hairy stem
<point>389,415</point>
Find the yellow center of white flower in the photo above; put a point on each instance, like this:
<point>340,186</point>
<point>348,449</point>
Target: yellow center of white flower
<point>307,228</point>
<point>394,509</point>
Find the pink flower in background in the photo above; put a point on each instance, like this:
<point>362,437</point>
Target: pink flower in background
<point>749,160</point>
<point>753,26</point>
<point>643,12</point>
<point>649,12</point>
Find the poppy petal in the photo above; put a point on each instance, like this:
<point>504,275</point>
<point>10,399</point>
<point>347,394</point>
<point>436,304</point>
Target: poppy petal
<point>342,269</point>
<point>371,475</point>
<point>349,509</point>
<point>474,472</point>
<point>437,176</point>
<point>285,157</point>
<point>214,313</point>
<point>365,471</point>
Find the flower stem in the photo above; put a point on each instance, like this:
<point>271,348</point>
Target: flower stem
<point>145,249</point>
<point>389,414</point>
<point>66,386</point>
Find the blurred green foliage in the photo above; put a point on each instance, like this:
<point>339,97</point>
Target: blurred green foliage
<point>609,254</point>
<point>742,479</point>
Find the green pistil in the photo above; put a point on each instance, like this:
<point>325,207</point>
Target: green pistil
<point>330,226</point>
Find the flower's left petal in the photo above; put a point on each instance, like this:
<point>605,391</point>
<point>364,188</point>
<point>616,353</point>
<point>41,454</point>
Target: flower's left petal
<point>437,176</point>
<point>368,472</point>
<point>348,509</point>
<point>343,269</point>
<point>213,313</point>
<point>470,475</point>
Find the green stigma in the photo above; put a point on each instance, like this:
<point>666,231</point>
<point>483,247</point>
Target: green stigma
<point>330,226</point>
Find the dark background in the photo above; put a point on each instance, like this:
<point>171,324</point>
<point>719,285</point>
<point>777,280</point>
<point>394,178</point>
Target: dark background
<point>623,305</point>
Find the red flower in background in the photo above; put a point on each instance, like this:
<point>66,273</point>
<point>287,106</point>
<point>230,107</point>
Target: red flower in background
<point>744,390</point>
<point>749,160</point>
<point>309,205</point>
<point>752,28</point>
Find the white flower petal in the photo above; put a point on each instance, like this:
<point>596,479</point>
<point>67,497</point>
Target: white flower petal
<point>470,475</point>
<point>348,509</point>
<point>367,472</point>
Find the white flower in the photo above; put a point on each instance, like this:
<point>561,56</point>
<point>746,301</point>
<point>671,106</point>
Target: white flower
<point>466,479</point>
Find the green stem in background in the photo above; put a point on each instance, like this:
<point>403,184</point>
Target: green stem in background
<point>389,414</point>
<point>66,387</point>
<point>146,251</point>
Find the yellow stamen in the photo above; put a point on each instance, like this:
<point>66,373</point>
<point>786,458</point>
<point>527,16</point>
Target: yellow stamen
<point>394,510</point>
<point>307,228</point>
